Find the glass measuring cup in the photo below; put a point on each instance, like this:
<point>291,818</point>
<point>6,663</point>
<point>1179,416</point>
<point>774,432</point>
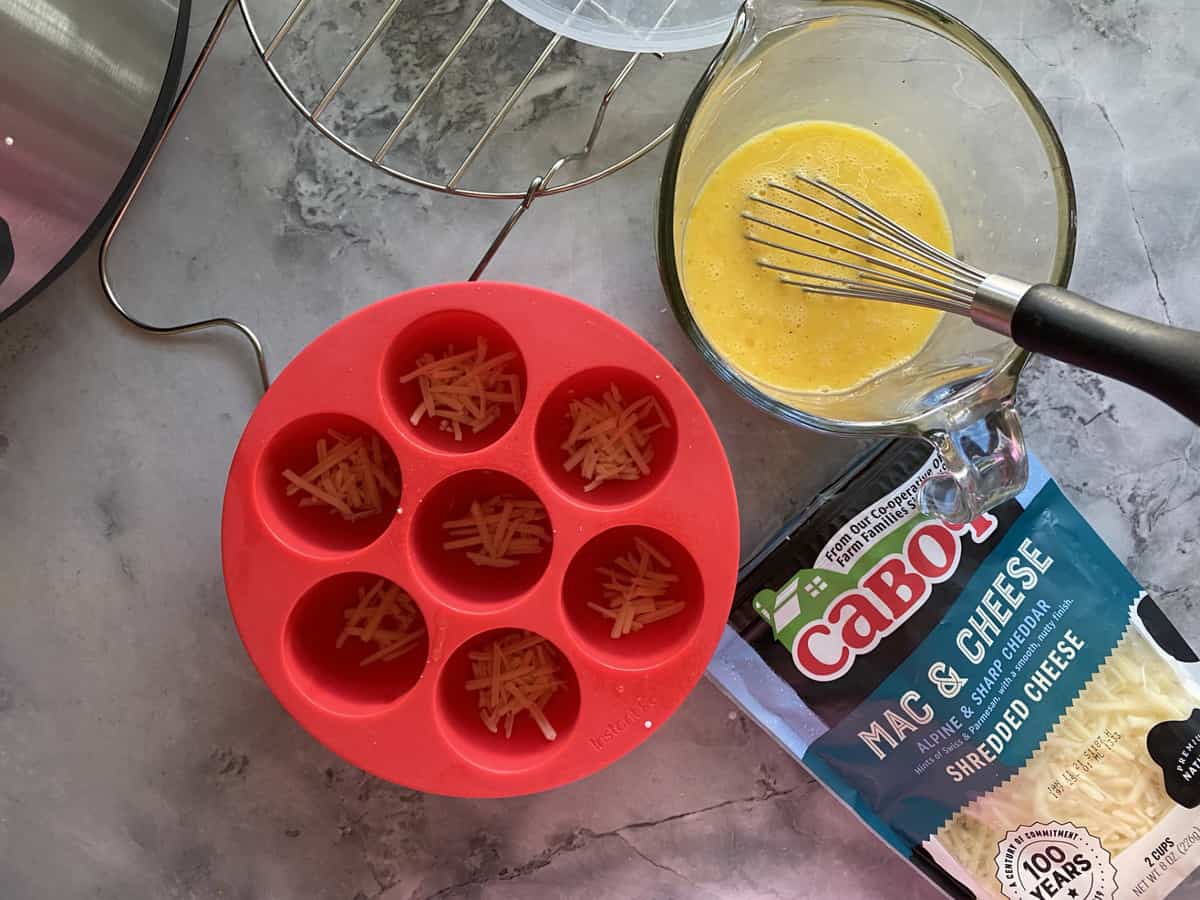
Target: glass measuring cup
<point>928,83</point>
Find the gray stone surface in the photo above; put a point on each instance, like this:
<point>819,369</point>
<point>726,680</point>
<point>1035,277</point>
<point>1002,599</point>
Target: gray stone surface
<point>141,757</point>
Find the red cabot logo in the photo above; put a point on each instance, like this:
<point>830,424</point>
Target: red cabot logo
<point>886,597</point>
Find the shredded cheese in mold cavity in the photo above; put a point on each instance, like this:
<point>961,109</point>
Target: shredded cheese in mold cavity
<point>386,617</point>
<point>515,674</point>
<point>349,478</point>
<point>497,530</point>
<point>465,390</point>
<point>636,587</point>
<point>610,440</point>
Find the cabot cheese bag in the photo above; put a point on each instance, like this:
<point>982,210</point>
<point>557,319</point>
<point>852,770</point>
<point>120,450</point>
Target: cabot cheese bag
<point>1001,702</point>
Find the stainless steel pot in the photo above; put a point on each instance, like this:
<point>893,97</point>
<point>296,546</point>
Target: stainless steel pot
<point>84,89</point>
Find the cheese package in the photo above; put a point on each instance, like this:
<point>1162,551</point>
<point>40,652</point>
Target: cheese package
<point>1001,703</point>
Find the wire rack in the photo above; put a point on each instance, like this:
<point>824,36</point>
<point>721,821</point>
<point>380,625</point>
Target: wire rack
<point>342,129</point>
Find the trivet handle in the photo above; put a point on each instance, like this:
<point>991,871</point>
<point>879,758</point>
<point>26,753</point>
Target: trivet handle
<point>535,188</point>
<point>106,283</point>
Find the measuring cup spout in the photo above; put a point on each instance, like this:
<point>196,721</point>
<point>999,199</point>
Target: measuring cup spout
<point>986,464</point>
<point>755,20</point>
<point>764,16</point>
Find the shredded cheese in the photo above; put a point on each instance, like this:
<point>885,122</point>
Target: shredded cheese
<point>497,530</point>
<point>635,590</point>
<point>464,391</point>
<point>516,673</point>
<point>349,478</point>
<point>608,440</point>
<point>386,617</point>
<point>1108,786</point>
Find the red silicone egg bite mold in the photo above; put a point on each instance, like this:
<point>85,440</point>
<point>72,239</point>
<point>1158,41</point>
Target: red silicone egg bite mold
<point>293,572</point>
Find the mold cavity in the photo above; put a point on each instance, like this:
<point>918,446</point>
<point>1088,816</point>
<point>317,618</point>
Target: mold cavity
<point>586,590</point>
<point>652,444</point>
<point>316,525</point>
<point>383,638</point>
<point>477,392</point>
<point>460,708</point>
<point>464,580</point>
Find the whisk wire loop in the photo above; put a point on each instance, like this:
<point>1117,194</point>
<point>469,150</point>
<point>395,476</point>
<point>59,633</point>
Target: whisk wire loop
<point>823,223</point>
<point>895,230</point>
<point>852,287</point>
<point>832,245</point>
<point>893,265</point>
<point>951,293</point>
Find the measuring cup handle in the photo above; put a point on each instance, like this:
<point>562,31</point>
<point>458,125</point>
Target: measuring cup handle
<point>986,464</point>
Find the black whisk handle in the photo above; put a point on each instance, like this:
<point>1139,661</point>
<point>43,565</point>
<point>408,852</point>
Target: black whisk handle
<point>1159,359</point>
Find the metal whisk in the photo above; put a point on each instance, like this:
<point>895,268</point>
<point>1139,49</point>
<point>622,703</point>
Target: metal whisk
<point>884,261</point>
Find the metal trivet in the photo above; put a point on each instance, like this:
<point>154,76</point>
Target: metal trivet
<point>376,156</point>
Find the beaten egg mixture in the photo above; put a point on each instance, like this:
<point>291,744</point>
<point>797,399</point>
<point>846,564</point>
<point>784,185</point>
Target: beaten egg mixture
<point>778,334</point>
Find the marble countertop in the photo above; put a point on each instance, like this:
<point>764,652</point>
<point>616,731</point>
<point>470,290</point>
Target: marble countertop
<point>141,756</point>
